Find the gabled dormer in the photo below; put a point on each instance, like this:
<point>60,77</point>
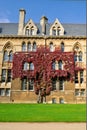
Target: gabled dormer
<point>56,28</point>
<point>30,28</point>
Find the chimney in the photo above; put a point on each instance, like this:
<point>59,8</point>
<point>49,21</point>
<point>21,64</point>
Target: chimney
<point>22,13</point>
<point>43,22</point>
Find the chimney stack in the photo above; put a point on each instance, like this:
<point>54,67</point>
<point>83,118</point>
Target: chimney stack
<point>21,21</point>
<point>43,22</point>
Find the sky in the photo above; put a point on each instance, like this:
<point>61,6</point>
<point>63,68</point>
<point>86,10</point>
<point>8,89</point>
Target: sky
<point>67,11</point>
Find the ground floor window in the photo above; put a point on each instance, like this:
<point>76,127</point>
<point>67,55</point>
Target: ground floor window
<point>82,92</point>
<point>57,84</point>
<point>61,101</point>
<point>61,85</point>
<point>6,75</point>
<point>4,92</point>
<point>53,100</point>
<point>79,92</point>
<point>27,84</point>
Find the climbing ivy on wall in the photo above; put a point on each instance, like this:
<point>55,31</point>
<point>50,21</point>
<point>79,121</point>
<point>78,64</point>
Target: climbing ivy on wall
<point>43,72</point>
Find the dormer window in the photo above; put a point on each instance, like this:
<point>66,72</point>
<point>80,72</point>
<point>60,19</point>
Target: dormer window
<point>30,28</point>
<point>56,29</point>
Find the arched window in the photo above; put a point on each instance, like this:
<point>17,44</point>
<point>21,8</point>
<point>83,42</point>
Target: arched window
<point>75,57</point>
<point>78,53</point>
<point>31,66</point>
<point>26,66</point>
<point>54,32</point>
<point>51,47</point>
<point>61,100</point>
<point>32,31</point>
<point>34,46</point>
<point>60,65</point>
<point>11,56</point>
<point>53,65</point>
<point>3,75</point>
<point>80,56</point>
<point>24,46</point>
<point>29,47</point>
<point>5,58</point>
<point>62,47</point>
<point>27,32</point>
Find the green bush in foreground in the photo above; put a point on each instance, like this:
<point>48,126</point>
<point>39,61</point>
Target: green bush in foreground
<point>42,112</point>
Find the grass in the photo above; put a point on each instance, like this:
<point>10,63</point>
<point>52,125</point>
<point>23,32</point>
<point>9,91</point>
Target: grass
<point>42,112</point>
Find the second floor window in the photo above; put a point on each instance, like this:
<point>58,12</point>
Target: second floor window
<point>60,65</point>
<point>5,58</point>
<point>24,47</point>
<point>62,47</point>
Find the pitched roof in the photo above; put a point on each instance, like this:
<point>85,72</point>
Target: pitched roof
<point>70,29</point>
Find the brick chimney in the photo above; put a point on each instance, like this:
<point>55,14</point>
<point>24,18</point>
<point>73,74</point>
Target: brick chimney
<point>22,13</point>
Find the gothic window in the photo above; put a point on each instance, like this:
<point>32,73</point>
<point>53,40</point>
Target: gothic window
<point>32,31</point>
<point>53,65</point>
<point>82,92</point>
<point>76,77</point>
<point>81,77</point>
<point>7,92</point>
<point>54,32</point>
<point>23,46</point>
<point>34,46</point>
<point>61,84</point>
<point>78,53</point>
<point>31,84</point>
<point>54,84</point>
<point>9,75</point>
<point>51,47</point>
<point>2,92</point>
<point>5,58</point>
<point>62,47</point>
<point>77,93</point>
<point>60,65</point>
<point>80,56</point>
<point>26,66</point>
<point>10,56</point>
<point>61,100</point>
<point>27,32</point>
<point>3,75</point>
<point>29,47</point>
<point>31,66</point>
<point>24,83</point>
<point>27,84</point>
<point>75,57</point>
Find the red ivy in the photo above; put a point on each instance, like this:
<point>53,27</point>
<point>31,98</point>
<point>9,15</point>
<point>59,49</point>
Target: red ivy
<point>43,72</point>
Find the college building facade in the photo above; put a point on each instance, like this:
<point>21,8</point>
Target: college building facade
<point>42,62</point>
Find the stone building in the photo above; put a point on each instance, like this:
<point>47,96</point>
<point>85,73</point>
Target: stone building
<point>26,37</point>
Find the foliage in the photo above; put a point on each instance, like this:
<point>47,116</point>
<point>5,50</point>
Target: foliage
<point>43,72</point>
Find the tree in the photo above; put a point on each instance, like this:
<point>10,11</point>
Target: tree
<point>43,71</point>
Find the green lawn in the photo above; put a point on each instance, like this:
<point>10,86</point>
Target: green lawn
<point>42,112</point>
